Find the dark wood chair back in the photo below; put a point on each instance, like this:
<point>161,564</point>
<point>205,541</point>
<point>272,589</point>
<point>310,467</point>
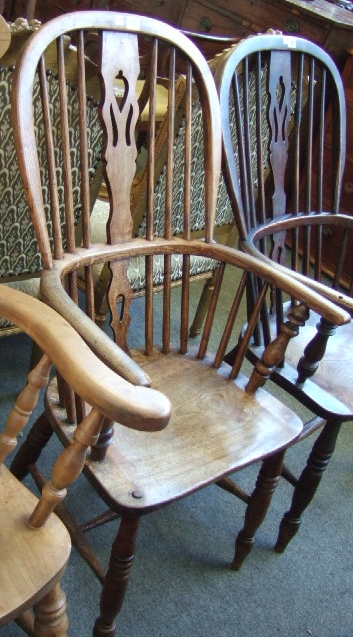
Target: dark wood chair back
<point>284,129</point>
<point>284,125</point>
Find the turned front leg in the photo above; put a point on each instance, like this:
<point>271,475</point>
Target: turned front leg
<point>67,468</point>
<point>308,483</point>
<point>256,510</point>
<point>50,618</point>
<point>117,577</point>
<point>24,405</point>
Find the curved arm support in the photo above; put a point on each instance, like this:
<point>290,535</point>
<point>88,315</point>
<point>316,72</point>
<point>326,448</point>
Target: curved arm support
<point>140,408</point>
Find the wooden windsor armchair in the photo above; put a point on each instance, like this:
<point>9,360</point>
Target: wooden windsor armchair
<point>220,420</point>
<point>284,156</point>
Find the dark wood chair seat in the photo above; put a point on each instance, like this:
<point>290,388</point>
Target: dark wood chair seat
<point>326,392</point>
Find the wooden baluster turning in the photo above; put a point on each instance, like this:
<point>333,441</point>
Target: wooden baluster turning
<point>67,468</point>
<point>23,407</point>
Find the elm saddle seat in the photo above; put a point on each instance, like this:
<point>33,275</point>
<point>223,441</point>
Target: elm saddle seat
<point>35,545</point>
<point>288,215</point>
<point>219,420</point>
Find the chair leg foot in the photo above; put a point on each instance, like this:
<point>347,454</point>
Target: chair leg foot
<point>243,547</point>
<point>288,528</point>
<point>100,630</point>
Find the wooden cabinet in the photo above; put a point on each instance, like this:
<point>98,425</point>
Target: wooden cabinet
<point>244,17</point>
<point>167,10</point>
<point>41,10</point>
<point>347,189</point>
<point>208,17</point>
<point>321,21</point>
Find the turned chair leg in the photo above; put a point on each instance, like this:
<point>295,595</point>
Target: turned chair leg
<point>30,450</point>
<point>256,510</point>
<point>117,577</point>
<point>308,483</point>
<point>50,618</point>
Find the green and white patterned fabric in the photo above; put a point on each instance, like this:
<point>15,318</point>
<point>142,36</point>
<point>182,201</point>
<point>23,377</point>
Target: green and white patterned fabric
<point>19,256</point>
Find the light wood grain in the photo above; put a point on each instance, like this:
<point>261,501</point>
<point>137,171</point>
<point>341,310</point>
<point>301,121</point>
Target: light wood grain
<point>31,561</point>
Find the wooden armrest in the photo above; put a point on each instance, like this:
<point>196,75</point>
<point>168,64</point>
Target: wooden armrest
<point>282,278</point>
<point>137,407</point>
<point>288,222</point>
<point>54,295</point>
<point>334,296</point>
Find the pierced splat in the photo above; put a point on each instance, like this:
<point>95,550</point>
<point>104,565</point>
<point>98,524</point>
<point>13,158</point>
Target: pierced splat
<point>119,64</point>
<point>119,292</point>
<point>119,61</point>
<point>279,119</point>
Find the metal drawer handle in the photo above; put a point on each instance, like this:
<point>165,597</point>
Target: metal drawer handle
<point>291,26</point>
<point>205,24</point>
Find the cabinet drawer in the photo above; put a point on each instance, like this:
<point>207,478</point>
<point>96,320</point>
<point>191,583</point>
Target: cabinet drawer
<point>45,10</point>
<point>243,17</point>
<point>199,17</point>
<point>166,10</point>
